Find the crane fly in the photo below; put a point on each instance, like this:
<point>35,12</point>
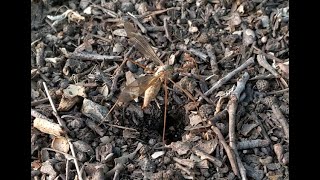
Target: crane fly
<point>149,84</point>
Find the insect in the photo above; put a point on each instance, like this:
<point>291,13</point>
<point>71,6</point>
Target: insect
<point>149,84</point>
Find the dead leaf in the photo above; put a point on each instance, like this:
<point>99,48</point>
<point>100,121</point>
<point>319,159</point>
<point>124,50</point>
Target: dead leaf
<point>47,127</point>
<point>180,147</point>
<point>208,146</point>
<point>67,103</point>
<point>60,144</point>
<point>36,164</point>
<point>246,128</point>
<point>195,119</point>
<point>129,77</point>
<point>191,106</point>
<point>284,69</point>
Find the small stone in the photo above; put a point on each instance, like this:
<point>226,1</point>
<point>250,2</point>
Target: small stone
<point>157,154</point>
<point>132,67</point>
<point>127,6</point>
<point>264,39</point>
<point>248,37</point>
<point>166,160</point>
<point>117,48</point>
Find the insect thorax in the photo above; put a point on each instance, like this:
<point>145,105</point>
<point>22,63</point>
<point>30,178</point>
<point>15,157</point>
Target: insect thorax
<point>165,68</point>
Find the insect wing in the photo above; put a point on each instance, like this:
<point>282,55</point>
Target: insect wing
<point>136,88</point>
<point>141,43</point>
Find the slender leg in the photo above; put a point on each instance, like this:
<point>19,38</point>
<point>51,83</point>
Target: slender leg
<point>187,93</point>
<point>165,109</point>
<point>142,66</point>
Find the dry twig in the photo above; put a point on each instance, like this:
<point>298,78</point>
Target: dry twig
<point>255,143</point>
<point>62,123</point>
<point>40,101</point>
<point>93,57</point>
<point>272,103</point>
<point>230,153</point>
<point>232,109</point>
<point>223,80</point>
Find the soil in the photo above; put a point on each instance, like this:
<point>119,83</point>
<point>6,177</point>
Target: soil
<point>227,112</point>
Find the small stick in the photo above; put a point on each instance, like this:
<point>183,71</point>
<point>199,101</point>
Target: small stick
<point>219,116</point>
<point>75,159</point>
<point>92,56</point>
<point>155,28</point>
<point>62,123</point>
<point>263,2</point>
<point>220,103</point>
<point>40,54</point>
<point>203,96</point>
<point>116,174</point>
<point>186,162</point>
<point>55,112</point>
<point>36,114</point>
<point>241,166</point>
<point>263,130</point>
<point>137,22</point>
<point>165,109</point>
<point>198,53</point>
<point>120,127</point>
<point>271,102</point>
<point>49,97</point>
<point>182,168</point>
<point>250,144</point>
<point>263,76</point>
<point>187,93</point>
<point>102,38</point>
<point>67,169</point>
<point>267,55</point>
<point>263,62</point>
<point>205,155</point>
<point>232,109</point>
<point>213,59</point>
<point>229,76</point>
<point>166,29</point>
<point>34,42</point>
<point>251,50</point>
<point>40,101</point>
<point>230,153</point>
<point>118,167</point>
<point>107,11</point>
<point>152,13</point>
<point>117,75</point>
<point>277,92</point>
<point>45,78</point>
<point>94,127</point>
